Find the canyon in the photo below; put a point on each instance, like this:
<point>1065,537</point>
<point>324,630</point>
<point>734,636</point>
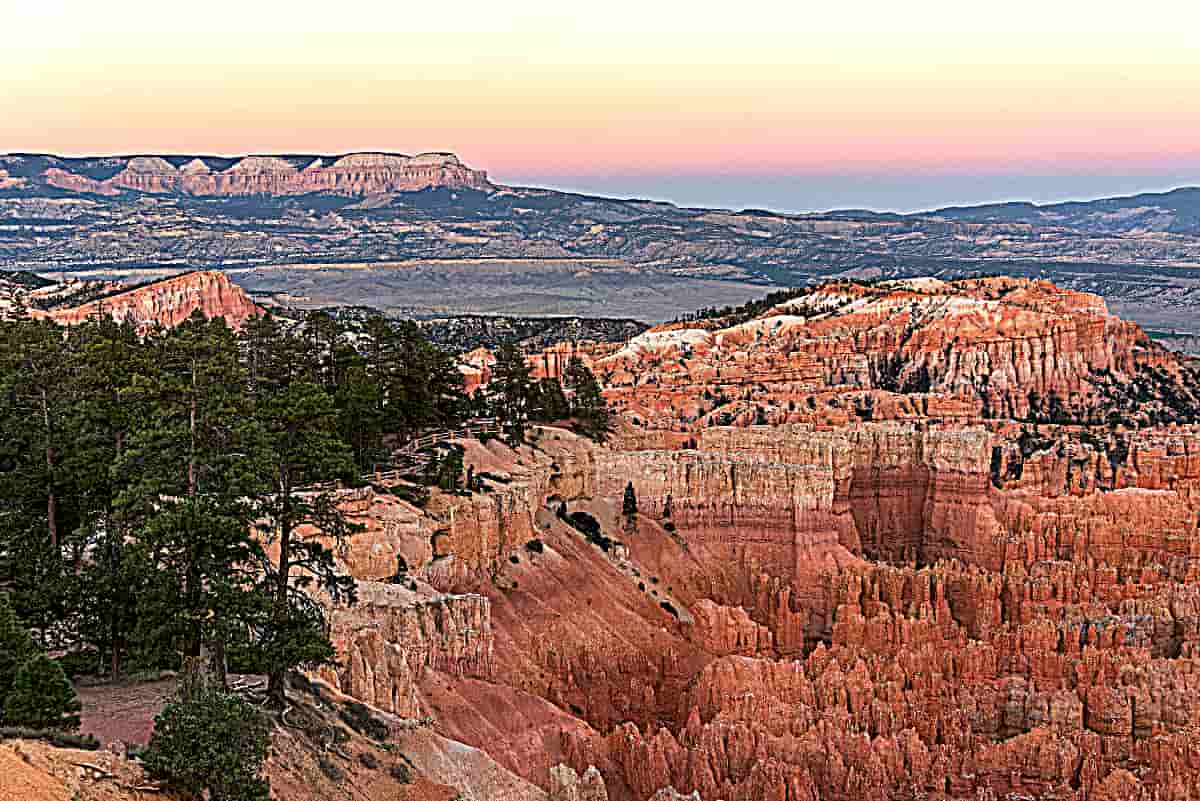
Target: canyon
<point>910,539</point>
<point>893,541</point>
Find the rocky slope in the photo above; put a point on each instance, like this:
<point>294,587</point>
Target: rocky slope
<point>167,302</point>
<point>905,577</point>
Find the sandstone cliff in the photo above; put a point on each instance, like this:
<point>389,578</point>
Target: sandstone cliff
<point>352,174</point>
<point>167,302</point>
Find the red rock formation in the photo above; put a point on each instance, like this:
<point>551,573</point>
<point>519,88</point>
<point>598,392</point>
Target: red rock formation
<point>353,174</point>
<point>168,302</point>
<point>9,182</point>
<point>1001,348</point>
<point>897,586</point>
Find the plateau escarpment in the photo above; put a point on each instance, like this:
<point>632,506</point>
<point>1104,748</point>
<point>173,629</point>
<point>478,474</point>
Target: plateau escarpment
<point>352,174</point>
<point>928,540</point>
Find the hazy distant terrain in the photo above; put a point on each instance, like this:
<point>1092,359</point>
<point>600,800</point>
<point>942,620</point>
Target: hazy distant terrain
<point>459,249</point>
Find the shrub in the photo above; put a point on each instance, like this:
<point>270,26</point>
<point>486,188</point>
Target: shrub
<point>359,717</point>
<point>16,646</point>
<point>213,742</point>
<point>56,738</point>
<point>401,773</point>
<point>42,697</point>
<point>535,546</point>
<point>330,769</point>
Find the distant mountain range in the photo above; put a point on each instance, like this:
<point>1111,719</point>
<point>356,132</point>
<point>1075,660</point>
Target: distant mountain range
<point>427,235</point>
<point>1177,212</point>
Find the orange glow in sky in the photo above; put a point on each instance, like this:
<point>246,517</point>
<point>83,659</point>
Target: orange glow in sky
<point>653,86</point>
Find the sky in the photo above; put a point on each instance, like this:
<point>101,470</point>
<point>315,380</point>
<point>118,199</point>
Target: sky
<point>788,105</point>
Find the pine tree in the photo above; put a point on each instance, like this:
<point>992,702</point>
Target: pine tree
<point>188,463</point>
<point>418,386</point>
<point>211,745</point>
<point>107,360</point>
<point>16,647</point>
<point>549,402</point>
<point>587,401</point>
<point>298,444</point>
<point>359,401</point>
<point>41,697</point>
<point>629,505</point>
<point>202,593</point>
<point>36,397</point>
<point>450,470</point>
<point>511,388</point>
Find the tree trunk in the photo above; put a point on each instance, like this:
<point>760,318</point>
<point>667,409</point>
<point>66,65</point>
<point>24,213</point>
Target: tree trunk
<point>276,691</point>
<point>192,442</point>
<point>51,497</point>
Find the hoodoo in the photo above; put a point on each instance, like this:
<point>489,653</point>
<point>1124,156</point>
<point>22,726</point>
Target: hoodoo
<point>913,535</point>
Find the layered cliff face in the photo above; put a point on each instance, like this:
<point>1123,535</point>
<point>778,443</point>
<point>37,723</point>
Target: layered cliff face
<point>353,174</point>
<point>942,593</point>
<point>168,302</point>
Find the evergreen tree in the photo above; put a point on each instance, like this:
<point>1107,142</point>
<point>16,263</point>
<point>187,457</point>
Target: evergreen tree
<point>36,400</point>
<point>107,359</point>
<point>549,402</point>
<point>359,401</point>
<point>511,387</point>
<point>188,462</point>
<point>297,426</point>
<point>629,505</point>
<point>16,647</point>
<point>212,745</point>
<point>203,591</point>
<point>41,697</point>
<point>587,402</point>
<point>418,386</point>
<point>450,469</point>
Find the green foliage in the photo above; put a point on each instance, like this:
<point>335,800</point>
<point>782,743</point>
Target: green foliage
<point>548,401</point>
<point>298,442</point>
<point>16,647</point>
<point>214,742</point>
<point>56,737</point>
<point>145,478</point>
<point>204,588</point>
<point>41,697</point>
<point>587,403</point>
<point>629,504</point>
<point>511,390</point>
<point>449,469</point>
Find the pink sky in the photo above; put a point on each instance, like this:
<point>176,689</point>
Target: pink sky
<point>650,88</point>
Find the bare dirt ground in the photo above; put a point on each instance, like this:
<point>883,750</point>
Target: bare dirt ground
<point>123,710</point>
